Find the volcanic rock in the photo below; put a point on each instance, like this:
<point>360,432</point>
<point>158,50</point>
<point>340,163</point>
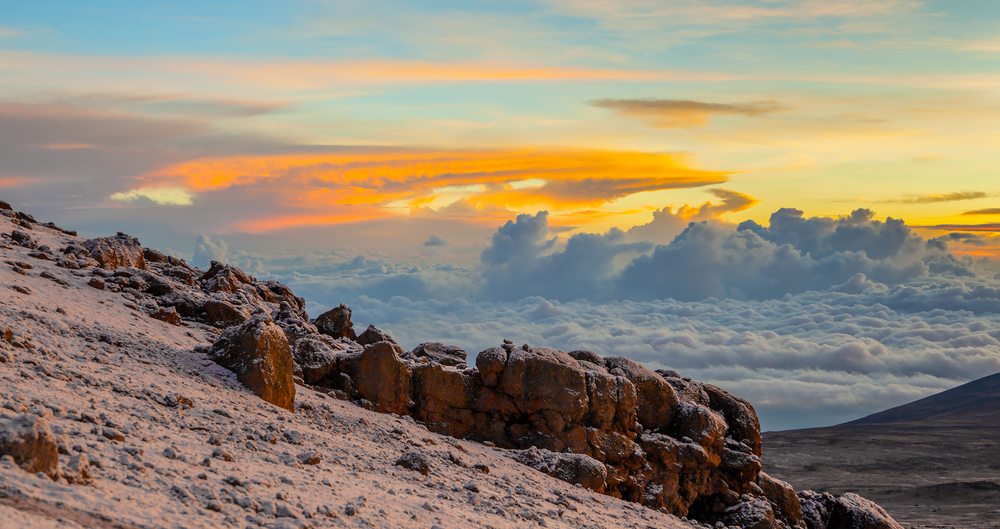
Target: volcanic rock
<point>258,352</point>
<point>120,251</point>
<point>29,440</point>
<point>336,323</point>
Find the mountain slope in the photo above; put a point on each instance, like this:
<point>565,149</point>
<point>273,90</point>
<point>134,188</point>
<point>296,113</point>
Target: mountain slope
<point>934,462</point>
<point>174,441</point>
<point>970,403</point>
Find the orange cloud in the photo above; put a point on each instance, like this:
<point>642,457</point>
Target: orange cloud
<point>318,188</point>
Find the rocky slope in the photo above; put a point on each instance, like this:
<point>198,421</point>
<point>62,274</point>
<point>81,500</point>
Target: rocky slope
<point>126,374</point>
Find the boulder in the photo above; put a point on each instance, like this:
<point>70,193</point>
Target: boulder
<point>336,323</point>
<point>755,513</point>
<point>381,377</point>
<point>851,511</point>
<point>167,314</point>
<point>120,251</point>
<point>784,501</point>
<point>373,335</point>
<point>317,357</point>
<point>446,355</point>
<point>258,352</point>
<point>29,440</point>
<point>577,469</point>
<point>740,417</point>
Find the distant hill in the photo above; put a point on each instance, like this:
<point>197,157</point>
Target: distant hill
<point>934,462</point>
<point>966,404</point>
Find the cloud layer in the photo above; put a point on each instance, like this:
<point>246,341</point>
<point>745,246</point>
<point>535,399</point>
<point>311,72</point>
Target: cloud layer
<point>817,320</point>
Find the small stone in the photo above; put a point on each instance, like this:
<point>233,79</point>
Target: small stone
<point>414,461</point>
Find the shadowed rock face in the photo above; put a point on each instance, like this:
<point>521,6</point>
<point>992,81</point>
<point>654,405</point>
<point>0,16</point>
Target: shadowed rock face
<point>336,323</point>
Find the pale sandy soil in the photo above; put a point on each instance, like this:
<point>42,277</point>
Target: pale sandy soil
<point>101,368</point>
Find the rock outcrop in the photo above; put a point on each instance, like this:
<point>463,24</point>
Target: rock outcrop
<point>120,251</point>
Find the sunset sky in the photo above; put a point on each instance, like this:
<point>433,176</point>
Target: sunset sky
<point>599,112</point>
<point>380,153</point>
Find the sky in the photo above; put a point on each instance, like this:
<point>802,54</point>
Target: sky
<point>532,167</point>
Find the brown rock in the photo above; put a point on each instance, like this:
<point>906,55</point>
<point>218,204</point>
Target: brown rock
<point>29,440</point>
<point>317,358</point>
<point>542,379</point>
<point>96,282</point>
<point>657,399</point>
<point>336,323</point>
<point>120,251</point>
<point>258,352</point>
<point>373,335</point>
<point>740,417</point>
<point>167,314</point>
<point>77,470</point>
<point>783,499</point>
<point>443,399</point>
<point>381,377</point>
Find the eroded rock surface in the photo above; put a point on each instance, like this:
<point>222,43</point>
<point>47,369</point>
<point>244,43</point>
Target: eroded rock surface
<point>258,352</point>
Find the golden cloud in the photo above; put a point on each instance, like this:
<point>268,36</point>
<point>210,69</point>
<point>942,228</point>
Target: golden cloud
<point>366,183</point>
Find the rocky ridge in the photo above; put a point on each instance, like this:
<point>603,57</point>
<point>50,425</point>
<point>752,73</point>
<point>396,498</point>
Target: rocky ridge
<point>604,423</point>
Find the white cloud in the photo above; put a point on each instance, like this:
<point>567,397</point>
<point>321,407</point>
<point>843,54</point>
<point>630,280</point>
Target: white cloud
<point>164,196</point>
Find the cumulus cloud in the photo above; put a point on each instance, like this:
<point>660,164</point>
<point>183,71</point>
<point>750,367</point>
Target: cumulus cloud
<point>207,249</point>
<point>667,223</point>
<point>680,113</point>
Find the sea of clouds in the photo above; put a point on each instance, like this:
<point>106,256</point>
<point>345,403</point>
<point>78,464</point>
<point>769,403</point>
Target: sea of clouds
<point>816,320</point>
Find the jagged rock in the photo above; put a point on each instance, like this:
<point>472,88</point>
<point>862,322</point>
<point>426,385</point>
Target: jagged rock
<point>29,440</point>
<point>373,335</point>
<point>120,251</point>
<point>336,323</point>
<point>572,468</point>
<point>21,238</point>
<point>447,355</point>
<point>816,508</point>
<point>154,256</point>
<point>755,513</point>
<point>656,395</point>
<point>381,377</point>
<point>851,511</point>
<point>224,278</point>
<point>317,358</point>
<point>4,206</point>
<point>740,416</point>
<point>96,282</point>
<point>258,352</point>
<point>782,497</point>
<point>168,314</point>
<point>223,313</point>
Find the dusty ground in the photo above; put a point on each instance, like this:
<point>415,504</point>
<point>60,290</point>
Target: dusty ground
<point>926,475</point>
<point>176,442</point>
